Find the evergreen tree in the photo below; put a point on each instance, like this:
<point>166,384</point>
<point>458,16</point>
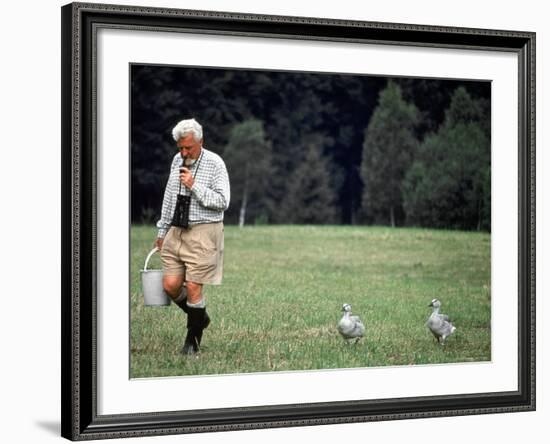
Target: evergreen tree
<point>449,184</point>
<point>248,161</point>
<point>388,152</point>
<point>310,197</point>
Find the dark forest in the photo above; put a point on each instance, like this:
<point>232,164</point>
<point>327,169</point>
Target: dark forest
<point>317,148</point>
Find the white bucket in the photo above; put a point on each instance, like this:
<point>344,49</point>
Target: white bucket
<point>151,282</point>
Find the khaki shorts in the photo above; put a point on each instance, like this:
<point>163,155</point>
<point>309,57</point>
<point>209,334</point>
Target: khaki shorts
<point>196,253</point>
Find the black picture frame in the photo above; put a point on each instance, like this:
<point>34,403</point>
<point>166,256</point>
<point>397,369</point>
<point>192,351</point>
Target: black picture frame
<point>80,420</point>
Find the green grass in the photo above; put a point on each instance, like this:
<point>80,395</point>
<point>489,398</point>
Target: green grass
<point>283,289</point>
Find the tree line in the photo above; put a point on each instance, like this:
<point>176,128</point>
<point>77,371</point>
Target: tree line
<point>313,148</point>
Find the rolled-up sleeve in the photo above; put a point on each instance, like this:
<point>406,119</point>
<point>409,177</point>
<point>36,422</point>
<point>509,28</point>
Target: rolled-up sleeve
<point>216,196</point>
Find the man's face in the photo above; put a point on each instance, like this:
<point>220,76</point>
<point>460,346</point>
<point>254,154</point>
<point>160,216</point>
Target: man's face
<point>189,147</point>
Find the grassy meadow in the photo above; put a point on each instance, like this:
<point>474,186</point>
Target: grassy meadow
<point>284,287</point>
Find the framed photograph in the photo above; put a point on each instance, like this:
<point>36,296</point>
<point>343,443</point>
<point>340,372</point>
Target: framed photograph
<point>374,189</point>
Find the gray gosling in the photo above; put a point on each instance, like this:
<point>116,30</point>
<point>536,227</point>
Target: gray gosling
<point>439,324</point>
<point>350,327</point>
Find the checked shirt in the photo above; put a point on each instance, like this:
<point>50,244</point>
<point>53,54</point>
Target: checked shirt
<point>209,195</point>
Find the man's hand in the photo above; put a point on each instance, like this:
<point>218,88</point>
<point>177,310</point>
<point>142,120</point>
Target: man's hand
<point>186,178</point>
<point>158,243</point>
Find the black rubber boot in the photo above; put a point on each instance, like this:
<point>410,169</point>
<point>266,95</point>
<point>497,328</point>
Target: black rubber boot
<point>190,346</point>
<point>205,324</point>
<point>183,302</point>
<point>183,305</point>
<point>196,321</point>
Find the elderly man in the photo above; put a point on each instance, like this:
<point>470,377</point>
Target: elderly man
<point>190,230</point>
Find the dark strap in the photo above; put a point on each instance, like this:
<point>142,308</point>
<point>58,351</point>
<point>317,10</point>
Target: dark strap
<point>196,170</point>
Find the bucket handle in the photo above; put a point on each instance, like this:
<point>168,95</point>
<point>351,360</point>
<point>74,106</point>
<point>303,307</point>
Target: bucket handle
<point>153,251</point>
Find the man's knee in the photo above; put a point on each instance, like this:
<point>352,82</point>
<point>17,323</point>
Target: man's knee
<point>194,292</point>
<point>172,285</point>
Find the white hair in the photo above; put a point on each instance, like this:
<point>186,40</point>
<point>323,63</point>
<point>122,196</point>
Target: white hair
<point>185,127</point>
